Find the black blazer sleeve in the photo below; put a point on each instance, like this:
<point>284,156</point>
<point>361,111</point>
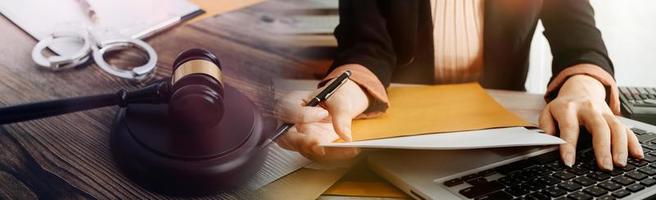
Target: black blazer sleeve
<point>574,39</point>
<point>363,38</point>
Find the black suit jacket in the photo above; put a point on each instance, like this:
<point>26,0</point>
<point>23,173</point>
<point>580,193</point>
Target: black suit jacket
<point>393,38</point>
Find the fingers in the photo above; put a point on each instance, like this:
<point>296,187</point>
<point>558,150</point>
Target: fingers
<point>618,139</point>
<point>288,140</point>
<point>600,131</point>
<point>296,141</point>
<point>569,131</point>
<point>310,114</point>
<point>635,149</point>
<point>311,144</point>
<point>348,102</point>
<point>610,140</point>
<point>320,134</point>
<point>547,122</point>
<point>291,109</point>
<point>308,145</point>
<point>342,124</point>
<point>338,153</point>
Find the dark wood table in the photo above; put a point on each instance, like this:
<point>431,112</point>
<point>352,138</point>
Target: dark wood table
<point>69,157</point>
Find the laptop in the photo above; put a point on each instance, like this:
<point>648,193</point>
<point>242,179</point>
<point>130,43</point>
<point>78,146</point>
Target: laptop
<point>519,173</point>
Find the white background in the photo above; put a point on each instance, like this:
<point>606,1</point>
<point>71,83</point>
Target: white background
<point>629,30</point>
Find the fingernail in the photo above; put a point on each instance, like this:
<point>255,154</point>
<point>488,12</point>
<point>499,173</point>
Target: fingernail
<point>607,163</point>
<point>569,159</point>
<point>569,163</point>
<point>622,158</point>
<point>318,150</point>
<point>608,166</point>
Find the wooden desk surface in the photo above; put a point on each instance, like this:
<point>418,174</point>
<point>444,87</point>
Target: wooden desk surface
<point>68,156</point>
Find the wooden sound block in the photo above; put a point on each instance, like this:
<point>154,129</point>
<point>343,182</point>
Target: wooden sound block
<point>153,152</point>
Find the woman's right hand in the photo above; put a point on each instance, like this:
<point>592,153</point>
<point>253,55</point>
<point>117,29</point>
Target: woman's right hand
<point>324,124</point>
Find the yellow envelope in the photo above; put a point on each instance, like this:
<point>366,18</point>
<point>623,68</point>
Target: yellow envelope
<point>365,189</point>
<point>436,109</point>
<point>360,181</point>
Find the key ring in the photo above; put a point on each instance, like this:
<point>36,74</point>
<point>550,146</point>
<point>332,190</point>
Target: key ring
<point>97,50</point>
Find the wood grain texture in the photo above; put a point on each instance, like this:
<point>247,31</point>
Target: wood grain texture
<point>68,156</point>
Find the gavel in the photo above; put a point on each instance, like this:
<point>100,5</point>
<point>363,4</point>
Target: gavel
<point>186,135</point>
<point>195,87</point>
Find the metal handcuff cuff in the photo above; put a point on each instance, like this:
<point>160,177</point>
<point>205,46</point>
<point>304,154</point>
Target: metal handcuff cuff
<point>96,49</point>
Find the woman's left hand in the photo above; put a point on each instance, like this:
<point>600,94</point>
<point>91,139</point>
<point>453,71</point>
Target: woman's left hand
<point>581,102</point>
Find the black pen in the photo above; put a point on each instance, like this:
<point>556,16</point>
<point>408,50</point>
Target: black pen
<point>322,96</point>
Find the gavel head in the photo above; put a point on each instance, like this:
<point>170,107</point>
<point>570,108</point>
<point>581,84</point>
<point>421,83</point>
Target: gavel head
<point>187,147</point>
<point>196,91</point>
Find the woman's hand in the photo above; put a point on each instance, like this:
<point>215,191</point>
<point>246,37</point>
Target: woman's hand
<point>325,124</point>
<point>581,102</point>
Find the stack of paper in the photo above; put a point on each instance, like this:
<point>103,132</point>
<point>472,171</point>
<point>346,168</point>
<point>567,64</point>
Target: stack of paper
<point>458,116</point>
<point>489,138</point>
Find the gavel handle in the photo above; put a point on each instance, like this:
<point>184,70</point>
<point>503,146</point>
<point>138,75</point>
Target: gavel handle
<point>150,94</point>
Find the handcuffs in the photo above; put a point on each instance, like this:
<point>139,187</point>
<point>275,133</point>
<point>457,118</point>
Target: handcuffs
<point>92,49</point>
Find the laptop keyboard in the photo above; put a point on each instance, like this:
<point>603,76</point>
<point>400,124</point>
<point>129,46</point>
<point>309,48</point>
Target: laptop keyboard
<point>545,177</point>
<point>638,96</point>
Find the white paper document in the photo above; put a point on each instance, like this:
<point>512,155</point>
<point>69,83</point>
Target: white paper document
<point>113,18</point>
<point>488,138</point>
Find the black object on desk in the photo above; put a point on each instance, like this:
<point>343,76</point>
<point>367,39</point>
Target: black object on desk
<point>186,136</point>
<point>639,103</point>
